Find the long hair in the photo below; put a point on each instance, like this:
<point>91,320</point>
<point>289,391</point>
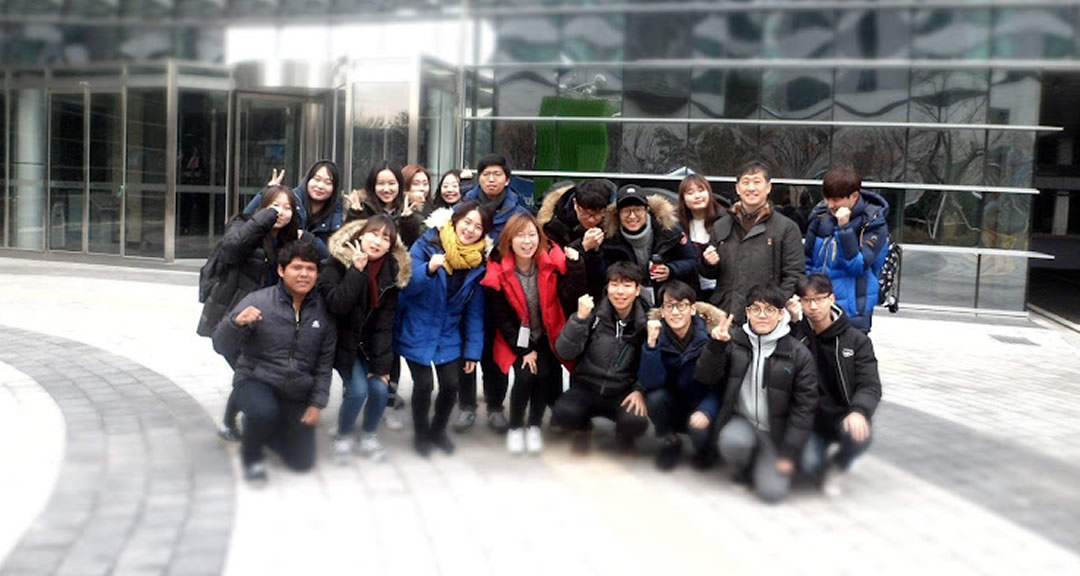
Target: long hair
<point>712,209</point>
<point>373,175</point>
<point>316,218</point>
<point>437,190</point>
<point>517,224</point>
<point>285,234</point>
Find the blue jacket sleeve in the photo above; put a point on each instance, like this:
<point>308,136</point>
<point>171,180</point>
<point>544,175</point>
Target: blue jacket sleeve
<point>651,371</point>
<point>851,257</point>
<point>254,204</point>
<point>474,325</point>
<point>420,281</point>
<point>710,404</point>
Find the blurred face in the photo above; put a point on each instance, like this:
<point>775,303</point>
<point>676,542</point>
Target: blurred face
<point>321,187</point>
<point>677,313</point>
<point>493,180</point>
<point>817,306</point>
<point>589,218</point>
<point>763,317</point>
<point>848,202</point>
<point>299,276</point>
<point>470,228</point>
<point>375,243</point>
<point>633,217</point>
<point>621,293</point>
<point>753,190</point>
<point>386,187</point>
<point>525,243</point>
<point>696,197</point>
<point>450,190</point>
<point>420,185</point>
<point>285,215</point>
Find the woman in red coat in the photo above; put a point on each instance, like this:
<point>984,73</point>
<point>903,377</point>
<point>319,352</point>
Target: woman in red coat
<point>524,280</point>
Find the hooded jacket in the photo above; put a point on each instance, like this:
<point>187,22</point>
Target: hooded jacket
<point>671,367</point>
<point>363,330</point>
<point>409,227</point>
<point>430,322</point>
<point>786,380</point>
<point>851,255</point>
<point>848,376</point>
<point>606,355</point>
<point>669,241</point>
<point>511,204</point>
<point>292,352</point>
<point>325,228</point>
<point>560,224</point>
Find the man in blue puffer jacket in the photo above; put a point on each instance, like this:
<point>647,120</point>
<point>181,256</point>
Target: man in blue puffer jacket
<point>847,239</point>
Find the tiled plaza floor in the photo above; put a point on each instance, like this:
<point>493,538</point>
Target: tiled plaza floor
<point>108,399</point>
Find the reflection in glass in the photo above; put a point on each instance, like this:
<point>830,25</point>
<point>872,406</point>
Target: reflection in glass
<point>938,279</point>
<point>518,142</point>
<point>946,156</point>
<point>27,151</point>
<point>656,93</point>
<point>1010,158</point>
<point>585,147</point>
<point>1013,97</point>
<point>478,141</point>
<point>522,92</point>
<point>527,39</point>
<point>795,202</point>
<point>200,188</point>
<point>730,35</point>
<point>875,153</point>
<point>1006,220</point>
<point>1036,33</point>
<point>144,194</point>
<point>106,173</point>
<point>269,140</point>
<point>380,126</point>
<point>795,152</point>
<point>438,141</point>
<point>593,38</point>
<point>3,168</point>
<point>653,148</point>
<point>66,149</point>
<point>725,93</point>
<point>952,96</point>
<point>873,33</point>
<point>797,94</point>
<point>719,150</point>
<point>799,34</point>
<point>871,95</point>
<point>1002,282</point>
<point>943,218</point>
<point>947,33</point>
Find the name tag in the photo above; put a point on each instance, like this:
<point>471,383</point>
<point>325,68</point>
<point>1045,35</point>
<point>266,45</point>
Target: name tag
<point>523,337</point>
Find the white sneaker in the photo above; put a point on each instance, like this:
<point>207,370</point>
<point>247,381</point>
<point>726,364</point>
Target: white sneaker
<point>515,440</point>
<point>372,448</point>
<point>342,450</point>
<point>534,442</point>
<point>837,484</point>
<point>392,421</point>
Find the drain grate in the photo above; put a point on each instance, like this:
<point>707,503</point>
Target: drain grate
<point>1013,340</point>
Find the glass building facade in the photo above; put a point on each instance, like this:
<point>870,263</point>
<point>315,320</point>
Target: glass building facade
<point>125,133</point>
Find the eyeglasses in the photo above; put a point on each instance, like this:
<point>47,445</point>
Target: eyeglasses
<point>816,300</point>
<point>680,306</point>
<point>634,210</point>
<point>493,175</point>
<point>590,215</point>
<point>758,310</point>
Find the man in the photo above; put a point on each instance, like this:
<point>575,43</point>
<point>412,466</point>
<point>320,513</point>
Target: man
<point>848,380</point>
<point>605,344</point>
<point>573,217</point>
<point>645,231</point>
<point>769,393</point>
<point>501,202</point>
<point>283,340</point>
<point>847,239</point>
<point>751,244</point>
<point>676,402</point>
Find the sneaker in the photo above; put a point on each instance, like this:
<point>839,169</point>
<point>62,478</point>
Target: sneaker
<point>465,420</point>
<point>836,484</point>
<point>226,434</point>
<point>670,452</point>
<point>581,443</point>
<point>534,441</point>
<point>255,473</point>
<point>341,448</point>
<point>497,421</point>
<point>515,441</point>
<point>422,446</point>
<point>442,441</point>
<point>371,447</point>
<point>392,421</point>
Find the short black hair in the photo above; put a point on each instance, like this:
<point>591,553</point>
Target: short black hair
<point>768,293</point>
<point>301,249</point>
<point>624,270</point>
<point>818,283</point>
<point>678,290</point>
<point>493,160</point>
<point>463,209</point>
<point>841,183</point>
<point>594,194</point>
<point>753,167</point>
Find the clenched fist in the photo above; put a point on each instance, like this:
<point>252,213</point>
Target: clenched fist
<point>248,315</point>
<point>584,306</point>
<point>653,332</point>
<point>711,256</point>
<point>435,263</point>
<point>843,215</point>
<point>593,238</point>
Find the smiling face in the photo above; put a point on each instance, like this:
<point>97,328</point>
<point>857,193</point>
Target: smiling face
<point>450,190</point>
<point>470,229</point>
<point>525,243</point>
<point>753,189</point>
<point>633,217</point>
<point>285,210</point>
<point>696,197</point>
<point>375,243</point>
<point>386,187</point>
<point>321,186</point>
<point>420,185</point>
<point>299,276</point>
<point>622,292</point>
<point>677,314</point>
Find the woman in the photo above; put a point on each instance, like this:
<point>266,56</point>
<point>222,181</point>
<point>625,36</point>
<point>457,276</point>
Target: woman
<point>417,185</point>
<point>698,210</point>
<point>382,194</point>
<point>440,317</point>
<point>360,285</point>
<point>525,280</point>
<point>448,194</point>
<point>318,204</point>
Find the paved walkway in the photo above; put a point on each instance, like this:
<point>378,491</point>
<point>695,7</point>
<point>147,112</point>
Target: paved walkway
<point>973,468</point>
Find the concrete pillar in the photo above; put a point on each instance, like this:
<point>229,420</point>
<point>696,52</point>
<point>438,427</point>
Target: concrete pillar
<point>29,169</point>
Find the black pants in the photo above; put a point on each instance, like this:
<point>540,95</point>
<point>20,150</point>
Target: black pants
<point>670,413</point>
<point>274,422</point>
<point>577,406</point>
<point>533,390</point>
<point>495,382</point>
<point>423,385</point>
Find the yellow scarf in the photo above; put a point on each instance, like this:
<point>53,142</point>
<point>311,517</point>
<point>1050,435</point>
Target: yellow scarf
<point>459,256</point>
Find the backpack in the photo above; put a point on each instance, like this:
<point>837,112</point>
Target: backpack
<point>889,278</point>
<point>209,274</point>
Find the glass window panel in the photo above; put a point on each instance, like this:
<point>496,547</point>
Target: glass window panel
<point>719,150</point>
<point>795,152</point>
<point>519,141</point>
<point>871,95</point>
<point>65,217</point>
<point>200,8</point>
<point>653,148</point>
<point>596,91</point>
<point>593,38</point>
<point>1037,33</point>
<point>66,149</point>
<point>36,7</point>
<point>725,93</point>
<point>875,153</point>
<point>795,202</point>
<point>730,35</point>
<point>524,92</point>
<point>144,193</point>
<point>204,44</point>
<point>1006,220</point>
<point>938,279</point>
<point>1013,94</point>
<point>478,141</point>
<point>523,39</point>
<point>945,218</point>
<point>3,146</point>
<point>27,150</point>
<point>1003,283</point>
<point>799,34</point>
<point>656,93</point>
<point>340,125</point>
<point>304,7</point>
<point>873,34</point>
<point>438,137</point>
<point>141,43</point>
<point>380,126</point>
<point>949,96</point>
<point>950,33</point>
<point>149,8</point>
<point>106,173</point>
<point>660,35</point>
<point>585,147</point>
<point>797,94</point>
<point>1010,158</point>
<point>200,203</point>
<point>99,8</point>
<point>270,140</point>
<point>946,156</point>
<point>259,8</point>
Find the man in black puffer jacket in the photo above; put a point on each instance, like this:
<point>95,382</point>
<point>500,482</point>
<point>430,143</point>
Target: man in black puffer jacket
<point>847,373</point>
<point>768,385</point>
<point>283,340</point>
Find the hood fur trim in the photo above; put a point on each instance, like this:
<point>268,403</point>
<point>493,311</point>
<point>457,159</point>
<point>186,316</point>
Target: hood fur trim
<point>439,217</point>
<point>659,207</point>
<point>340,251</point>
<point>552,200</point>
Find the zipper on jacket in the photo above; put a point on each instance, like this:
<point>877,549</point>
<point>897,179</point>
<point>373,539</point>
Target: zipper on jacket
<point>840,371</point>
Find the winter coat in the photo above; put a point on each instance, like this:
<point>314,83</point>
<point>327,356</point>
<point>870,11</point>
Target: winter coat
<point>321,232</point>
<point>243,266</point>
<point>512,203</point>
<point>789,377</point>
<point>851,255</point>
<point>292,353</point>
<point>560,224</point>
<point>362,329</point>
<point>430,323</point>
<point>770,252</point>
<point>509,310</point>
<point>848,377</point>
<point>409,227</point>
<point>606,361</point>
<point>668,366</point>
<point>669,242</point>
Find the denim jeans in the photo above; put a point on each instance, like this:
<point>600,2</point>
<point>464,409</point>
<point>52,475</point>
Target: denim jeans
<point>815,455</point>
<point>358,388</point>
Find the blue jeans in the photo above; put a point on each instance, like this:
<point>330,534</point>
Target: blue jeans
<point>815,454</point>
<point>358,388</point>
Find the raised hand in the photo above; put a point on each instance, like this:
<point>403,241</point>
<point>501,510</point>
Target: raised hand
<point>712,257</point>
<point>843,215</point>
<point>593,238</point>
<point>248,315</point>
<point>359,257</point>
<point>794,308</point>
<point>584,306</point>
<point>653,327</point>
<point>571,254</point>
<point>353,198</point>
<point>436,262</point>
<point>276,178</point>
<point>722,331</point>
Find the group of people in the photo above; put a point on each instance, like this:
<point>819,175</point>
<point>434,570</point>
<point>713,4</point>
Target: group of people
<point>718,322</point>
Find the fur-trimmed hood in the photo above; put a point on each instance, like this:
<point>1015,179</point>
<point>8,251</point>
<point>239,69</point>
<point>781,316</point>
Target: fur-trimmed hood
<point>709,313</point>
<point>552,201</point>
<point>659,208</point>
<point>440,216</point>
<point>340,250</point>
